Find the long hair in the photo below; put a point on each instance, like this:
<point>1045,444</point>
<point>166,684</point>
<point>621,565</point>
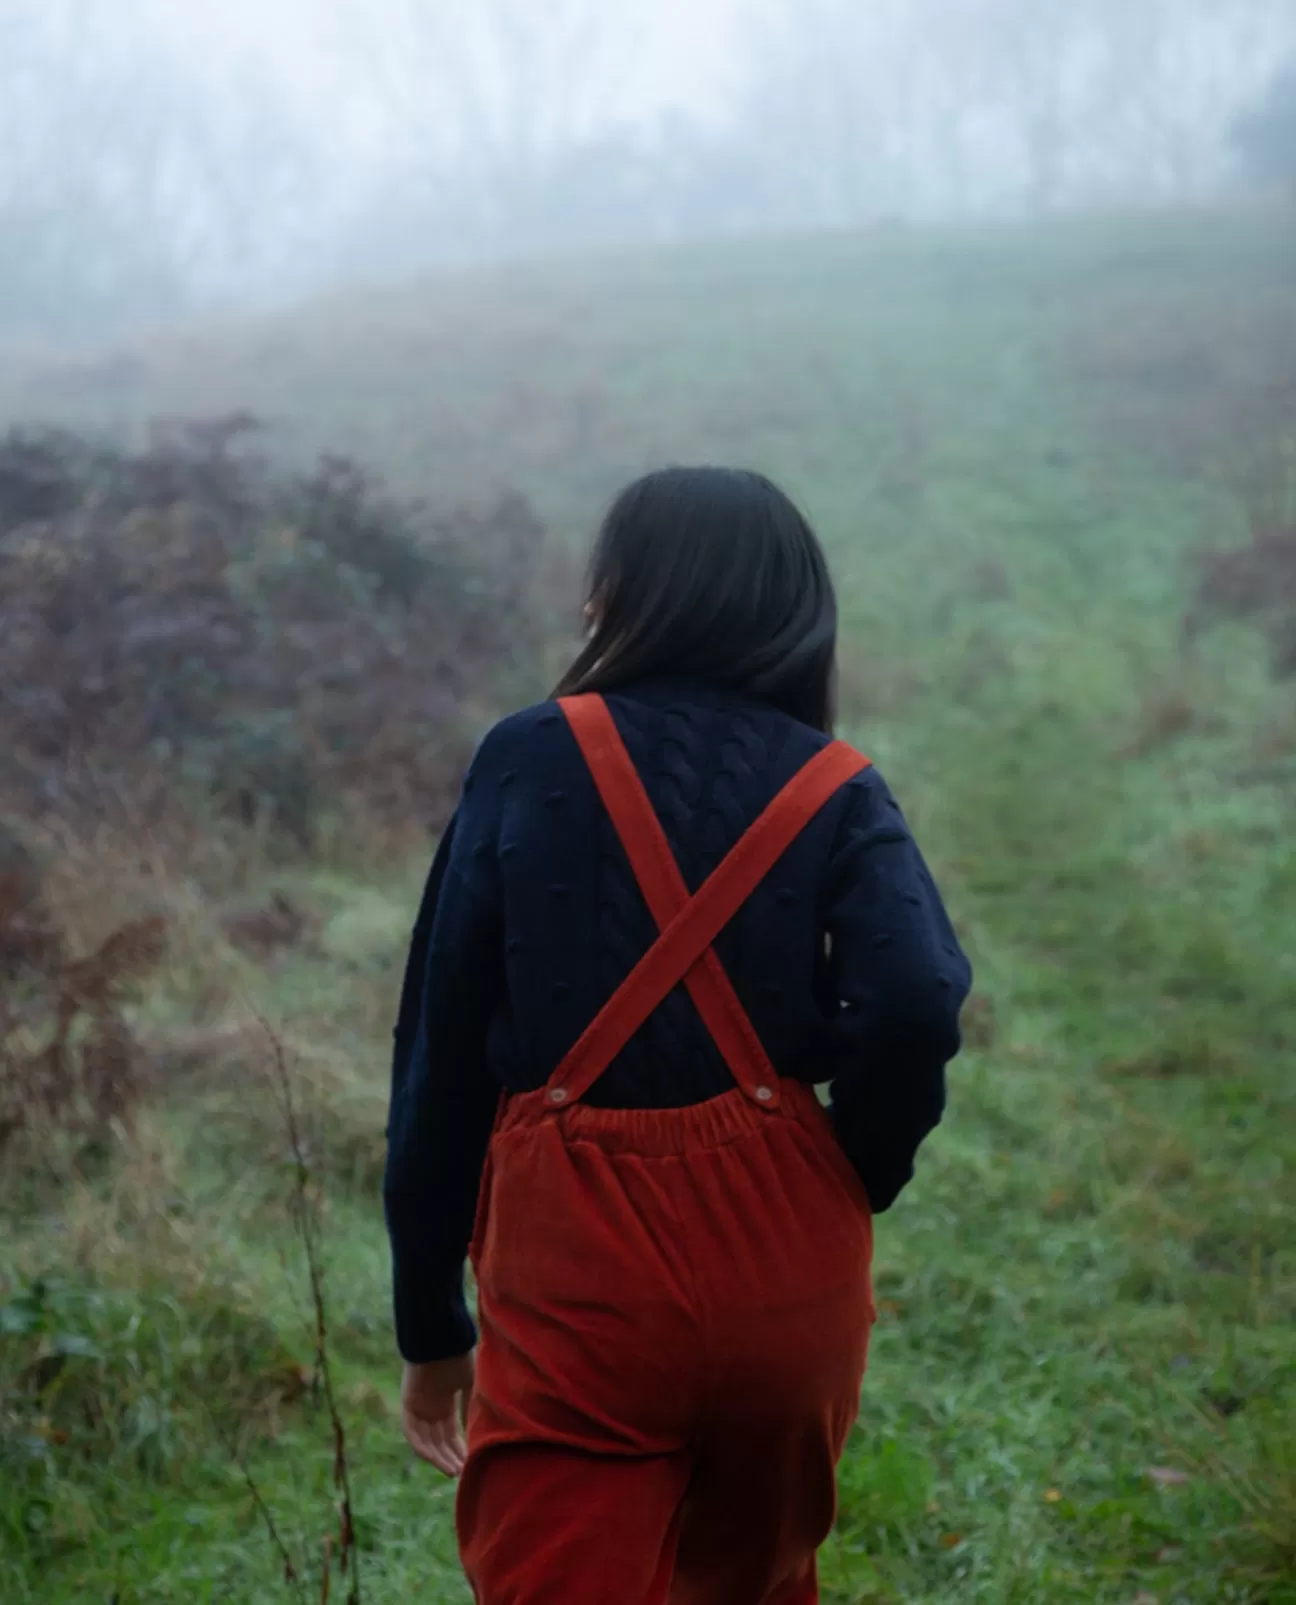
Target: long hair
<point>711,574</point>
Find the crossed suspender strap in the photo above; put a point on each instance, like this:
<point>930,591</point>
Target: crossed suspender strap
<point>687,925</point>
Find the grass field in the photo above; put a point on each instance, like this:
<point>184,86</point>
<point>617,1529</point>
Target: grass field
<point>1083,1384</point>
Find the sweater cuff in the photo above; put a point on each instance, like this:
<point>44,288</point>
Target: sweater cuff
<point>432,1319</point>
<point>885,1174</point>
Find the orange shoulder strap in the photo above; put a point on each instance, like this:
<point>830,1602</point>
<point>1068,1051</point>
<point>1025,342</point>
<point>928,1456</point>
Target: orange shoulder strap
<point>688,926</point>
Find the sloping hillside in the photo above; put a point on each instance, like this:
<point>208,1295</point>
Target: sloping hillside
<point>1055,470</point>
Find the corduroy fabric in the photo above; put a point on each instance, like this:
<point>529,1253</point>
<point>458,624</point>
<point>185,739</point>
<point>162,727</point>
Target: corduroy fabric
<point>669,1368</point>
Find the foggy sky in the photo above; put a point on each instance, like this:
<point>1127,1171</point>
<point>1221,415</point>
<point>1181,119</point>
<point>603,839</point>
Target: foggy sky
<point>676,54</point>
<point>159,155</point>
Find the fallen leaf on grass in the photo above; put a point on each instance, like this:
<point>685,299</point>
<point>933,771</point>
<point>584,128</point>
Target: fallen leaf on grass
<point>1052,1496</point>
<point>1168,1476</point>
<point>951,1540</point>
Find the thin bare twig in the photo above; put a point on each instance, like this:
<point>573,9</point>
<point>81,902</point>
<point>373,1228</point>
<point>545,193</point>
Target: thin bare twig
<point>268,1521</point>
<point>235,1452</point>
<point>306,1218</point>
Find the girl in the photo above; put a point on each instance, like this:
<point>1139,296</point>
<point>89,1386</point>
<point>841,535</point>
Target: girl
<point>668,906</point>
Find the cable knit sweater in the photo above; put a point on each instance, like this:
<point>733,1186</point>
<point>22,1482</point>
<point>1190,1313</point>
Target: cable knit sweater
<point>844,959</point>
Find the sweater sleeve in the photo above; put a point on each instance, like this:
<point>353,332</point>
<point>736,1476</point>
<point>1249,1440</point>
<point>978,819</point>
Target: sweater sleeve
<point>443,1097</point>
<point>898,980</point>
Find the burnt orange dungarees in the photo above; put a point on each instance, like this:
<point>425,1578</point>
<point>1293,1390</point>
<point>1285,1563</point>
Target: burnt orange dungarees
<point>674,1304</point>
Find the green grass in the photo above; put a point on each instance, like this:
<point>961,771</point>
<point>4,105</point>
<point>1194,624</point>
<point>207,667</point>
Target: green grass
<point>1001,437</point>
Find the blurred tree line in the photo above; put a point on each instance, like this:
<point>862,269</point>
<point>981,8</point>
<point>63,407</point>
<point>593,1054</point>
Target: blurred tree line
<point>139,179</point>
<point>132,185</point>
<point>1268,135</point>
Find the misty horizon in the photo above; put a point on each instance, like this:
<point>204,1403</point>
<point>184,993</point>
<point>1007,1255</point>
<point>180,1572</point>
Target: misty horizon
<point>155,165</point>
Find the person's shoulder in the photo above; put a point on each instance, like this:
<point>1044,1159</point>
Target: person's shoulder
<point>518,736</point>
<point>804,742</point>
<point>865,799</point>
<point>869,808</point>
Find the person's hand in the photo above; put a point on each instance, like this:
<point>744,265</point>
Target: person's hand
<point>434,1404</point>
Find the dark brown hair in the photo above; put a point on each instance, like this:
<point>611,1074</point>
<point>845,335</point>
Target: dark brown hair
<point>711,574</point>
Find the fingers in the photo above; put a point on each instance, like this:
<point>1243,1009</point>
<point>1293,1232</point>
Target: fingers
<point>441,1442</point>
<point>434,1405</point>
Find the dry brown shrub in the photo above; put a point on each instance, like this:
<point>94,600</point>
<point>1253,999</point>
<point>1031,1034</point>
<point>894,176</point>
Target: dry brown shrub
<point>1198,386</point>
<point>283,644</point>
<point>1208,388</point>
<point>267,928</point>
<point>1255,583</point>
<point>1170,708</point>
<point>70,1065</point>
<point>980,1024</point>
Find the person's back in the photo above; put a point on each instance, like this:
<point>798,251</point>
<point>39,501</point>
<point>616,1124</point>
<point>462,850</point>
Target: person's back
<point>672,1238</point>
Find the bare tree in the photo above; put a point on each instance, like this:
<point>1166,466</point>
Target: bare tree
<point>488,119</point>
<point>1266,134</point>
<point>1173,78</point>
<point>898,106</point>
<point>841,106</point>
<point>128,184</point>
<point>494,87</point>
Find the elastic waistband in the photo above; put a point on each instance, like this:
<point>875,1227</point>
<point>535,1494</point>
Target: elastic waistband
<point>663,1131</point>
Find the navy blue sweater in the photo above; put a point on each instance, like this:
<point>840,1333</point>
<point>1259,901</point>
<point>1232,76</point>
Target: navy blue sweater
<point>844,958</point>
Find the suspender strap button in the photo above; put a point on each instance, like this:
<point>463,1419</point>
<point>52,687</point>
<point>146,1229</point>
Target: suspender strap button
<point>558,1095</point>
<point>765,1094</point>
